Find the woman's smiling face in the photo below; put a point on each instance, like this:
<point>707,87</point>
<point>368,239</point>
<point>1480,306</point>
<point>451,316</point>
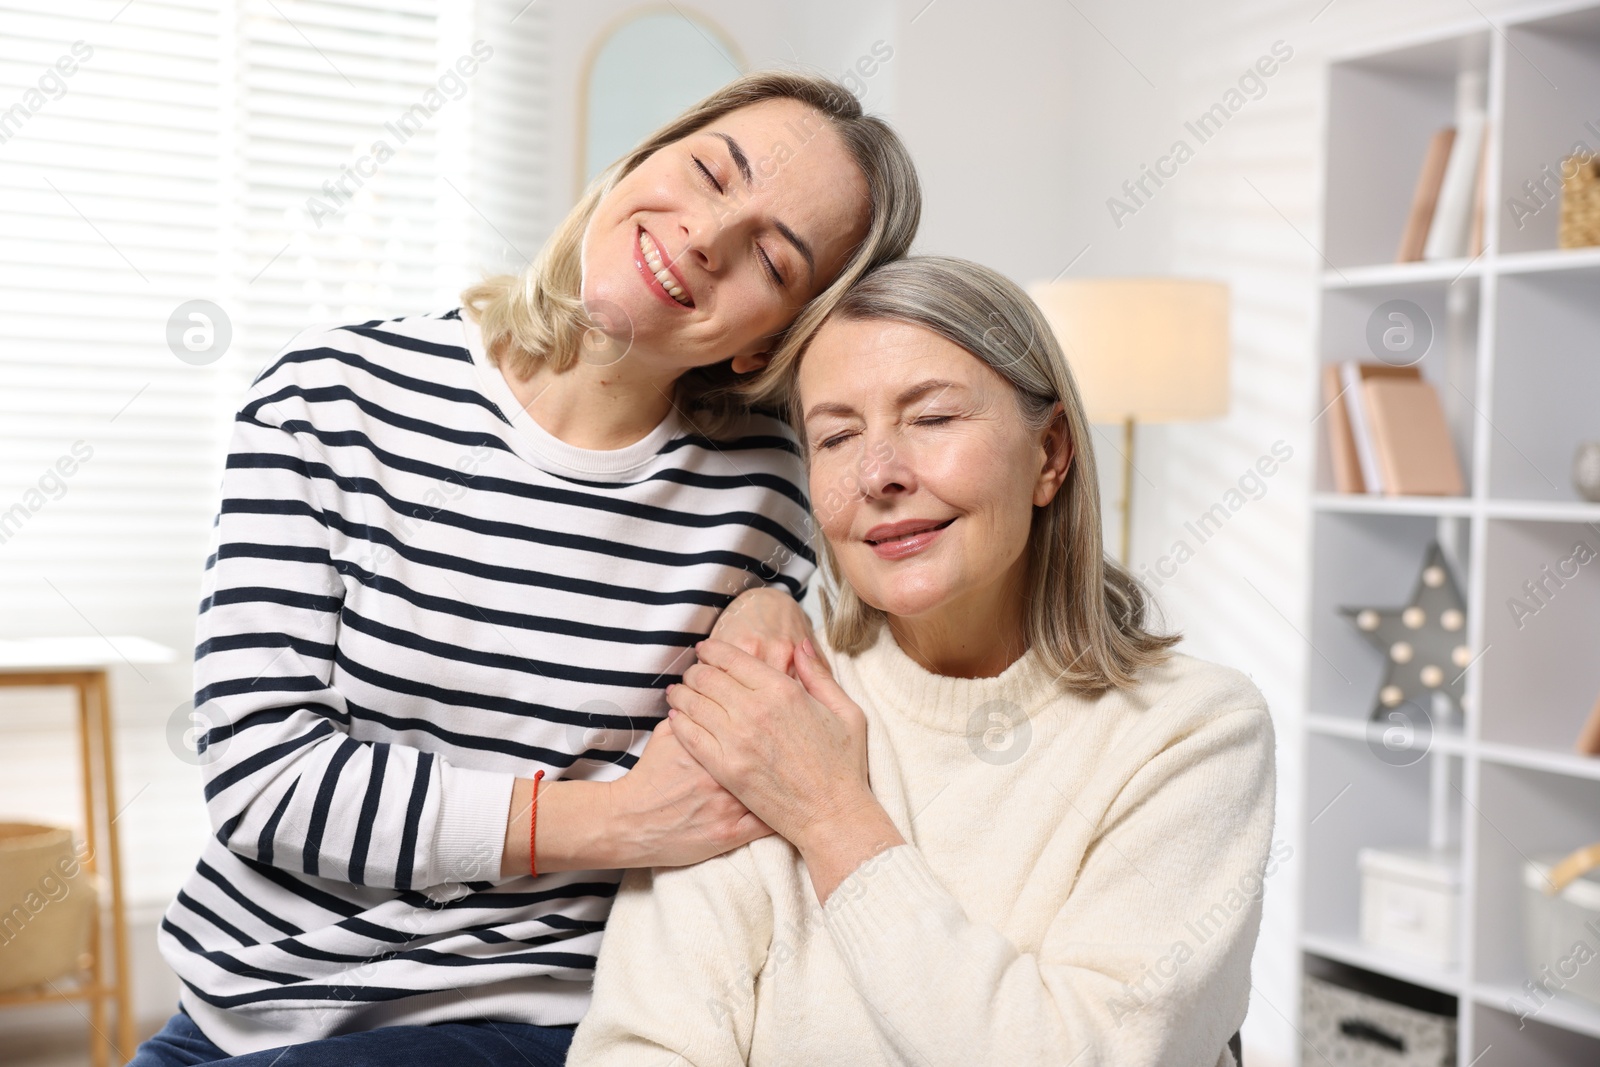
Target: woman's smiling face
<point>923,473</point>
<point>715,242</point>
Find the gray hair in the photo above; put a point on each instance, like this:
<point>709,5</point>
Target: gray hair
<point>1086,617</point>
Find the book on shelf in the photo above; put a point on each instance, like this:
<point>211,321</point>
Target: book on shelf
<point>1480,199</point>
<point>1446,220</point>
<point>1425,198</point>
<point>1411,437</point>
<point>1387,433</point>
<point>1452,217</point>
<point>1341,444</point>
<point>1350,378</point>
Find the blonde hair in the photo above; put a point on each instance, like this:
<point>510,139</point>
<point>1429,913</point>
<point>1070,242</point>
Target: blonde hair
<point>1086,613</point>
<point>537,316</point>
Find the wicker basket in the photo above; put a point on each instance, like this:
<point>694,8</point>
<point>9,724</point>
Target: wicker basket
<point>1580,202</point>
<point>46,917</point>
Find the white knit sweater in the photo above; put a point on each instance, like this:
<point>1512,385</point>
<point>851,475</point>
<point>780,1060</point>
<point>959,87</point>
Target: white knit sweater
<point>1081,885</point>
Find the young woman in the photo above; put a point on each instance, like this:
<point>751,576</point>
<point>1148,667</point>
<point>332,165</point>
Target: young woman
<point>1016,828</point>
<point>459,557</point>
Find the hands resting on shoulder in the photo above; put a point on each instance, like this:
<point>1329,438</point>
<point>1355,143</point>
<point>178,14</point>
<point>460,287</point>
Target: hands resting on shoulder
<point>782,737</point>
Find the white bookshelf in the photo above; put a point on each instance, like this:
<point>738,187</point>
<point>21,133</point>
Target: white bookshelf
<point>1516,360</point>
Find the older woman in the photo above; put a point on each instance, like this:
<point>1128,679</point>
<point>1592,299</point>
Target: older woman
<point>1016,828</point>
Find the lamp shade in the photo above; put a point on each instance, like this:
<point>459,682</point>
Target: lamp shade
<point>1149,349</point>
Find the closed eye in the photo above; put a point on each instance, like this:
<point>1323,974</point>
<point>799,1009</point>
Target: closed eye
<point>766,261</point>
<point>933,420</point>
<point>829,442</point>
<point>710,178</point>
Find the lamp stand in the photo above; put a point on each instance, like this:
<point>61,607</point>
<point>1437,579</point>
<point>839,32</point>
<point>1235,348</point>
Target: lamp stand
<point>1127,490</point>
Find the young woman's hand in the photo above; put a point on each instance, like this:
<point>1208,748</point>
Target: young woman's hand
<point>668,812</point>
<point>665,812</point>
<point>793,750</point>
<point>767,623</point>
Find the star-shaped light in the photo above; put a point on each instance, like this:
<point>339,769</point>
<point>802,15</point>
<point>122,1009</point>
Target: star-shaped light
<point>1425,642</point>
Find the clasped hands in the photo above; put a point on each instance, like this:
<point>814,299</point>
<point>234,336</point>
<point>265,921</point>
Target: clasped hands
<point>792,749</point>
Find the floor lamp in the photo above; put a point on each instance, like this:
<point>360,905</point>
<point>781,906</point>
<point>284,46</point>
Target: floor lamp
<point>1142,350</point>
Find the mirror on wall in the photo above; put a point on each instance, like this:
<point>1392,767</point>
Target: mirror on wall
<point>645,69</point>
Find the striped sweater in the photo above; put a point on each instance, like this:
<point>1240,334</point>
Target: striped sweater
<point>417,596</point>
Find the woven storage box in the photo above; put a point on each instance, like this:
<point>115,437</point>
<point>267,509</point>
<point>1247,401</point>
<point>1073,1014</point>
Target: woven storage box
<point>1352,1029</point>
<point>1580,202</point>
<point>47,905</point>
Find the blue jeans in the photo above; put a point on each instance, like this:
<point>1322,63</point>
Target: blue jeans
<point>479,1043</point>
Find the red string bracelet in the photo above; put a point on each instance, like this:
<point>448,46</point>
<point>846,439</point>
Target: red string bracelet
<point>533,824</point>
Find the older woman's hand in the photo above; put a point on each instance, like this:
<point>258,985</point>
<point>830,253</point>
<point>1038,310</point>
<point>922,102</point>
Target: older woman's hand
<point>767,623</point>
<point>793,751</point>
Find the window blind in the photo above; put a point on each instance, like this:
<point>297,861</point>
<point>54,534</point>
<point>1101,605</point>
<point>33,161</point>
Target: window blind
<point>288,162</point>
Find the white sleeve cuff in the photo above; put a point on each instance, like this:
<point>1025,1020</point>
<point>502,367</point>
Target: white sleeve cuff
<point>888,909</point>
<point>470,838</point>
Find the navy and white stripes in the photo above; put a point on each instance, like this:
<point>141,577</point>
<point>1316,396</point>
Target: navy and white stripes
<point>418,595</point>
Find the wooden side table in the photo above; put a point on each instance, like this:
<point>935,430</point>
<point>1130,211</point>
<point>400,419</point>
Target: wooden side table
<point>83,664</point>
